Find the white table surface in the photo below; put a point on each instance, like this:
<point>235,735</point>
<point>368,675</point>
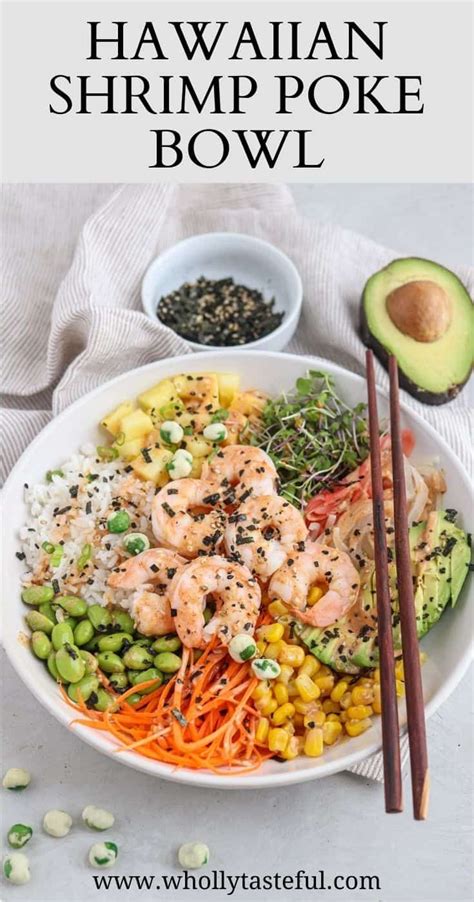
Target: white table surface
<point>337,824</point>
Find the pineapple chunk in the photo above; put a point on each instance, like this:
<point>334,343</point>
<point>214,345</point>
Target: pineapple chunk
<point>197,467</point>
<point>198,390</point>
<point>228,384</point>
<point>152,466</point>
<point>111,422</point>
<point>152,400</point>
<point>129,450</point>
<point>135,425</point>
<point>249,403</point>
<point>197,446</point>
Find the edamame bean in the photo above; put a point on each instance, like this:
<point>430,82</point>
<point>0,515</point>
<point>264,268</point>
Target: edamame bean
<point>69,663</point>
<point>61,634</point>
<point>143,641</point>
<point>97,818</point>
<point>84,688</point>
<point>124,621</point>
<point>90,660</point>
<point>103,854</point>
<point>19,835</point>
<point>119,522</point>
<point>16,778</point>
<point>37,621</point>
<point>51,665</point>
<point>109,662</point>
<point>119,681</point>
<point>104,700</point>
<point>167,662</point>
<point>166,643</point>
<point>93,645</point>
<point>99,617</point>
<point>48,610</point>
<point>137,677</point>
<point>37,594</point>
<point>40,644</point>
<point>117,642</point>
<point>83,633</point>
<point>57,823</point>
<point>138,658</point>
<point>193,855</point>
<point>134,698</point>
<point>16,868</point>
<point>74,605</point>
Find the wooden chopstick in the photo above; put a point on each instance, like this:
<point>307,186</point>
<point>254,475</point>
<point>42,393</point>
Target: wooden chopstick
<point>390,729</point>
<point>411,652</point>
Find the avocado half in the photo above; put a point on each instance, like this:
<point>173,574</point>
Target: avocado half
<point>421,313</point>
<point>350,645</point>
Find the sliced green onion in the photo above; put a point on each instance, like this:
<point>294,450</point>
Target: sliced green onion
<point>220,415</point>
<point>57,556</point>
<point>168,411</point>
<point>120,438</point>
<point>84,556</point>
<point>48,547</point>
<point>107,452</point>
<point>51,473</point>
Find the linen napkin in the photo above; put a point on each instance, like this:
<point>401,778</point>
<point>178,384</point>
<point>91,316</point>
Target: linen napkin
<point>72,317</point>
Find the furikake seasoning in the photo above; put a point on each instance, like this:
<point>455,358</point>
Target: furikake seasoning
<point>218,312</point>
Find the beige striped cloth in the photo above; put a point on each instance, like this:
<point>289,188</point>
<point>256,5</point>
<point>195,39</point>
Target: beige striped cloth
<point>74,257</point>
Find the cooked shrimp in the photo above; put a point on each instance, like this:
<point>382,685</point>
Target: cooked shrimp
<point>184,517</point>
<point>152,613</point>
<point>233,589</point>
<point>239,472</point>
<point>319,565</point>
<point>263,532</point>
<point>156,566</point>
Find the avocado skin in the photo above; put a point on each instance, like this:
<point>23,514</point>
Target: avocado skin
<point>421,394</point>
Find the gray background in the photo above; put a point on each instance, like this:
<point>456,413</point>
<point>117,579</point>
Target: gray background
<point>337,824</point>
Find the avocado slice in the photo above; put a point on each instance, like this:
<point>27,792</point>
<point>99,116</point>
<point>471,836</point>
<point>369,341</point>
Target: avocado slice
<point>350,645</point>
<point>422,313</point>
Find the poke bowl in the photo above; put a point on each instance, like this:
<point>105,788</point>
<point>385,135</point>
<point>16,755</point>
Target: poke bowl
<point>82,453</point>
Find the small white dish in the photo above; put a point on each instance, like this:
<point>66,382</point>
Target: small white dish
<point>217,255</point>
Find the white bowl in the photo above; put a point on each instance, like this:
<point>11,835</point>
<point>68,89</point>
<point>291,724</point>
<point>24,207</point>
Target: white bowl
<point>448,645</point>
<point>216,255</point>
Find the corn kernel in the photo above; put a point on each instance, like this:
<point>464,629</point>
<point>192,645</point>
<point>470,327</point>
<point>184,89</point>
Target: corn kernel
<point>292,749</point>
<point>377,702</point>
<point>314,719</point>
<point>346,700</point>
<point>377,675</point>
<point>359,712</point>
<point>324,670</point>
<point>269,708</point>
<point>307,688</point>
<point>277,608</point>
<point>292,654</point>
<point>333,718</point>
<point>262,702</point>
<point>314,594</point>
<point>271,633</point>
<point>310,665</point>
<point>261,646</point>
<point>282,713</point>
<point>273,649</point>
<point>339,690</point>
<point>356,727</point>
<point>286,672</point>
<point>292,688</point>
<point>288,726</point>
<point>263,727</point>
<point>313,743</point>
<point>331,732</point>
<point>281,693</point>
<point>343,717</point>
<point>303,707</point>
<point>325,684</point>
<point>298,721</point>
<point>423,657</point>
<point>362,695</point>
<point>400,688</point>
<point>277,740</point>
<point>330,707</point>
<point>261,690</point>
<point>399,670</point>
<point>365,682</point>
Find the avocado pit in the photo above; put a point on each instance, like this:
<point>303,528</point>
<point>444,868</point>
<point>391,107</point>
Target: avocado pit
<point>420,309</point>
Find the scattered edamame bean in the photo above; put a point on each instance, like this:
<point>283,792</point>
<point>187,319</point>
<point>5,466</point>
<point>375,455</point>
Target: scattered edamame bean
<point>118,681</point>
<point>166,643</point>
<point>37,595</point>
<point>40,644</point>
<point>97,818</point>
<point>19,835</point>
<point>74,605</point>
<point>51,665</point>
<point>215,432</point>
<point>103,699</point>
<point>47,610</point>
<point>265,668</point>
<point>138,658</point>
<point>167,662</point>
<point>193,855</point>
<point>136,543</point>
<point>16,778</point>
<point>57,823</point>
<point>37,621</point>
<point>61,633</point>
<point>90,660</point>
<point>84,688</point>
<point>117,642</point>
<point>119,522</point>
<point>16,868</point>
<point>171,432</point>
<point>124,621</point>
<point>103,854</point>
<point>142,676</point>
<point>83,632</point>
<point>109,662</point>
<point>242,648</point>
<point>70,664</point>
<point>99,617</point>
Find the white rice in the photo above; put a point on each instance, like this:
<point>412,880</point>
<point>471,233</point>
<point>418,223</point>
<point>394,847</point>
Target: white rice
<point>55,516</point>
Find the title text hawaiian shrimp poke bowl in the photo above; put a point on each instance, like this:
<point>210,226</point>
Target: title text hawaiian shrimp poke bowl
<point>189,568</point>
